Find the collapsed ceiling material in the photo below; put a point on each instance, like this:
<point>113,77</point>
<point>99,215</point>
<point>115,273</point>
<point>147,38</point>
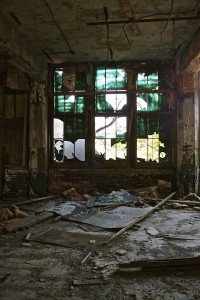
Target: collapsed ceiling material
<point>71,30</point>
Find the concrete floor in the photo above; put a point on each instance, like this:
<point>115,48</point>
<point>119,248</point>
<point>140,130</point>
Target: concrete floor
<point>43,271</point>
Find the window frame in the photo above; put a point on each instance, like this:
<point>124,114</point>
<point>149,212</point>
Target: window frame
<point>132,113</point>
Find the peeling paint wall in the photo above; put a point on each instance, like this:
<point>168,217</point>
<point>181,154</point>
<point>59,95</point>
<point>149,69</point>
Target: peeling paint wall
<point>38,154</point>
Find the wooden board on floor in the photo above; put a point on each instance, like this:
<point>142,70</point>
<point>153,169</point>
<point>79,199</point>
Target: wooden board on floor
<point>19,224</point>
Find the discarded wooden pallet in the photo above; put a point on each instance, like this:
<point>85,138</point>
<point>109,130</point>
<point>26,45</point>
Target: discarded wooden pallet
<point>19,224</point>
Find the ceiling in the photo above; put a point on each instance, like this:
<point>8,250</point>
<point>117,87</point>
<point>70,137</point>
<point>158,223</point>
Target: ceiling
<point>66,30</point>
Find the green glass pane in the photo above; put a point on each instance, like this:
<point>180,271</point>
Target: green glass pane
<point>100,79</point>
<point>69,104</point>
<point>74,128</point>
<point>80,104</point>
<point>59,104</point>
<point>58,77</point>
<point>102,106</point>
<point>153,125</point>
<point>79,127</point>
<point>152,102</point>
<point>64,104</point>
<point>147,82</point>
<point>69,128</point>
<point>153,81</point>
<point>121,79</point>
<point>141,127</point>
<point>142,101</point>
<point>120,134</point>
<point>110,79</point>
<point>115,79</point>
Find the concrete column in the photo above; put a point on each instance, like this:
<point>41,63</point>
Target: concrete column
<point>188,134</point>
<point>38,154</point>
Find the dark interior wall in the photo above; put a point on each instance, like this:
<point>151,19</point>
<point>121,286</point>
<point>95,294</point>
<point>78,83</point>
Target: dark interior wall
<point>107,180</point>
<point>11,142</point>
<point>14,89</point>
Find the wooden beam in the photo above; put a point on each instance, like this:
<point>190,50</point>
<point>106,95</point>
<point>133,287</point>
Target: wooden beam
<point>174,201</point>
<point>162,263</point>
<point>37,200</point>
<point>19,224</point>
<point>140,218</point>
<point>130,15</point>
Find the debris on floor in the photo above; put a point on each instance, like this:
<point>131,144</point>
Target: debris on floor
<point>76,246</point>
<point>72,239</point>
<point>19,224</point>
<point>11,212</point>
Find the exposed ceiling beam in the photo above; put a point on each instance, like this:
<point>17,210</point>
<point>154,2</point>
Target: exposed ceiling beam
<point>140,20</point>
<point>130,14</point>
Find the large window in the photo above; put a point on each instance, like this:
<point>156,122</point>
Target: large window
<point>101,116</point>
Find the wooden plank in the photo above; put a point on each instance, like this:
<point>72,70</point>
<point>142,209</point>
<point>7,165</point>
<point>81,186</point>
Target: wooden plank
<point>19,224</point>
<point>37,200</point>
<point>189,202</point>
<point>140,218</point>
<point>160,263</point>
<point>130,14</point>
<point>87,282</point>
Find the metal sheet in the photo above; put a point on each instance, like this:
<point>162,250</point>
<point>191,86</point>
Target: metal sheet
<point>116,218</point>
<point>60,207</point>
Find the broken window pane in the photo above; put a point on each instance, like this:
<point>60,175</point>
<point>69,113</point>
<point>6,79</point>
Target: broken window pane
<point>147,81</point>
<point>58,150</point>
<point>69,104</point>
<point>58,129</point>
<point>152,102</point>
<point>153,136</point>
<point>58,79</point>
<point>74,151</point>
<point>111,103</point>
<point>110,79</point>
<point>110,138</point>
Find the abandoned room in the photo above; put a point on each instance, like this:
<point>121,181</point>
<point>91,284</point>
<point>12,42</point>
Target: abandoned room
<point>99,149</point>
